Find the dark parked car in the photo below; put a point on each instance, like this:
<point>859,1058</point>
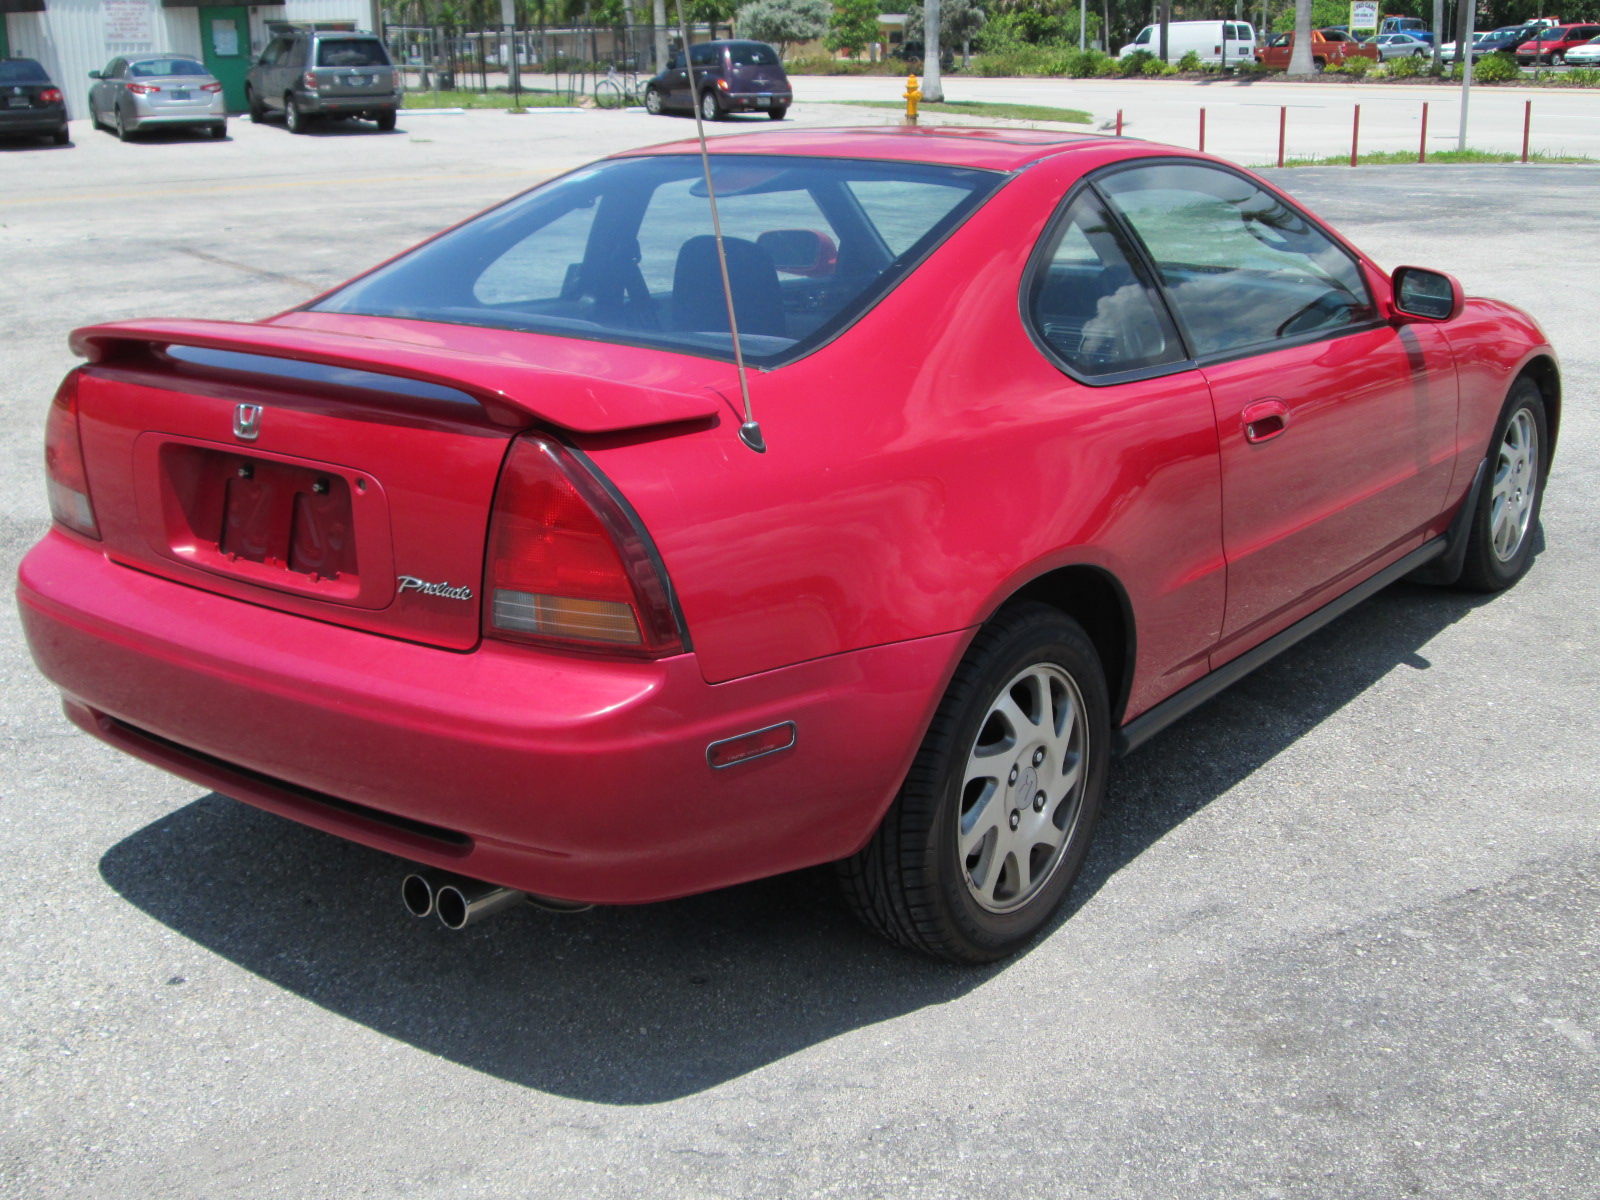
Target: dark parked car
<point>306,74</point>
<point>728,77</point>
<point>29,103</point>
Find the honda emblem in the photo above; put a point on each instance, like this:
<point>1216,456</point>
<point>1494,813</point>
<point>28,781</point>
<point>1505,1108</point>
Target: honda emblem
<point>247,422</point>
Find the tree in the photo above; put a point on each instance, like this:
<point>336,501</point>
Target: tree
<point>958,18</point>
<point>1300,56</point>
<point>853,26</point>
<point>783,21</point>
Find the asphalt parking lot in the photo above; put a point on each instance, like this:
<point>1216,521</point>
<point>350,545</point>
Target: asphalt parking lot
<point>1337,937</point>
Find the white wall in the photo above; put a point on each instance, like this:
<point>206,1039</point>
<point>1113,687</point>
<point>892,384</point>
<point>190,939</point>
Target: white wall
<point>71,40</point>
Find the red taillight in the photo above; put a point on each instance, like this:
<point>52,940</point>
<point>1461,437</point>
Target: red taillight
<point>310,80</point>
<point>142,89</point>
<point>51,95</point>
<point>723,84</point>
<point>568,564</point>
<point>65,478</point>
<point>213,86</point>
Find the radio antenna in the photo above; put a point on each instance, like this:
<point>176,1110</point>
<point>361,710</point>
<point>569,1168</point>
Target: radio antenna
<point>749,432</point>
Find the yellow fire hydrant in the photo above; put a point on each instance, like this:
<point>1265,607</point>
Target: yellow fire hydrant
<point>913,97</point>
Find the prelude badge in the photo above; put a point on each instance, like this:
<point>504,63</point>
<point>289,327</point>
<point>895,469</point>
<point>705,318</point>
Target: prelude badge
<point>247,422</point>
<point>410,583</point>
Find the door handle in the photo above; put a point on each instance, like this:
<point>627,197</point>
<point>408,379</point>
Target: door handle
<point>1265,420</point>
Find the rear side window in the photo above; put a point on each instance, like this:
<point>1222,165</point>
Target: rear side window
<point>623,252</point>
<point>1087,302</point>
<point>363,52</point>
<point>22,70</point>
<point>1242,268</point>
<point>752,54</point>
<point>704,55</point>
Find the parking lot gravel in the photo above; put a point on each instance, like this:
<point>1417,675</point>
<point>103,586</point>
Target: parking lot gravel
<point>1337,937</point>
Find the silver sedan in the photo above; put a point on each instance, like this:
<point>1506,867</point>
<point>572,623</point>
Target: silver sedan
<point>133,94</point>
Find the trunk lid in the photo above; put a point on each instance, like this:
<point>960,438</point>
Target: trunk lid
<point>342,478</point>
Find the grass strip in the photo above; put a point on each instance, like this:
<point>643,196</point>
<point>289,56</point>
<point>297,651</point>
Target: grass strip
<point>1385,158</point>
<point>976,108</point>
<point>495,99</point>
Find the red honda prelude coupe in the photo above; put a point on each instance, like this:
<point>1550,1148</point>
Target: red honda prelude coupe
<point>468,561</point>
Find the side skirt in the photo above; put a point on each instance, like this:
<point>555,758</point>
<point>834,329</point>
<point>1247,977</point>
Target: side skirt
<point>1145,726</point>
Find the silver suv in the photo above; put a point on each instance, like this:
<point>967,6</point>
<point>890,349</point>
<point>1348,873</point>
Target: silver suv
<point>307,74</point>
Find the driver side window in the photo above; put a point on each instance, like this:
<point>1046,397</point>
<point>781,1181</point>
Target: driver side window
<point>1241,267</point>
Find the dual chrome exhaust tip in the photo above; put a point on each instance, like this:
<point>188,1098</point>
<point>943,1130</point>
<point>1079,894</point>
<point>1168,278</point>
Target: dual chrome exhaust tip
<point>458,901</point>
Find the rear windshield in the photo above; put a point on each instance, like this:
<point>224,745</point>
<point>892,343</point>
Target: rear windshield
<point>362,52</point>
<point>752,54</point>
<point>623,252</point>
<point>21,70</point>
<point>161,68</point>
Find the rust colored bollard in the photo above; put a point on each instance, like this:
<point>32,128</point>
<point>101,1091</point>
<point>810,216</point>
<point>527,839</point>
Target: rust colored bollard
<point>1283,129</point>
<point>1422,147</point>
<point>1119,122</point>
<point>1202,130</point>
<point>1527,126</point>
<point>1355,137</point>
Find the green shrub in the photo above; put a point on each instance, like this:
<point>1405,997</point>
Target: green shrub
<point>1086,64</point>
<point>1408,67</point>
<point>1352,66</point>
<point>1108,68</point>
<point>1492,68</point>
<point>1190,61</point>
<point>1155,68</point>
<point>1134,63</point>
<point>1586,77</point>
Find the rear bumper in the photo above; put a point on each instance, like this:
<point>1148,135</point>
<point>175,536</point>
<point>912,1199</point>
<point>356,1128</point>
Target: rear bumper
<point>320,105</point>
<point>16,123</point>
<point>570,777</point>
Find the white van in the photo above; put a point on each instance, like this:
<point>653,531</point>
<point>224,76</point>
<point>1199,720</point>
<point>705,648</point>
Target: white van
<point>1223,43</point>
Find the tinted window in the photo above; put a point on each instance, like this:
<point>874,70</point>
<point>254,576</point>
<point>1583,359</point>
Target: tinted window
<point>623,252</point>
<point>704,56</point>
<point>21,70</point>
<point>1242,267</point>
<point>363,52</point>
<point>1144,37</point>
<point>752,54</point>
<point>147,68</point>
<point>1089,305</point>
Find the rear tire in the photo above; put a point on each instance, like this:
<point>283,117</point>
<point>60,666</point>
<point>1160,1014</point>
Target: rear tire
<point>1500,538</point>
<point>219,131</point>
<point>710,110</point>
<point>61,137</point>
<point>652,101</point>
<point>258,110</point>
<point>386,120</point>
<point>777,114</point>
<point>993,822</point>
<point>294,120</point>
<point>124,134</point>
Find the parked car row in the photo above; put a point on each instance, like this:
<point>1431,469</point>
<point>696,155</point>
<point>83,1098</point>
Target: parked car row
<point>1329,47</point>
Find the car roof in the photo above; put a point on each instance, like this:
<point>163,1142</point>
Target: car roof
<point>956,146</point>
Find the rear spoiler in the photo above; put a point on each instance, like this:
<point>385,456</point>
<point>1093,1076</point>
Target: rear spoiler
<point>510,392</point>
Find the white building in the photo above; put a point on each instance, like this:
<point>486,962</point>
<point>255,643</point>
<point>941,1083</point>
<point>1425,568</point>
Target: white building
<point>73,37</point>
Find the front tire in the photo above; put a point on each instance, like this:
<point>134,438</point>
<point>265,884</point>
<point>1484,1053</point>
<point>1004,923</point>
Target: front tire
<point>994,819</point>
<point>652,101</point>
<point>258,110</point>
<point>710,110</point>
<point>1500,541</point>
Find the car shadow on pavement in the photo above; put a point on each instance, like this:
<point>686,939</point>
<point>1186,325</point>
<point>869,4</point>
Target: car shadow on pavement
<point>646,1004</point>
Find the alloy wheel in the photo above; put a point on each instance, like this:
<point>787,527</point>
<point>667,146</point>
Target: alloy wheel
<point>1516,485</point>
<point>1022,792</point>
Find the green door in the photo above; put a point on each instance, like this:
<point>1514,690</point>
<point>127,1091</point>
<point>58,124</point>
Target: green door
<point>5,44</point>
<point>225,37</point>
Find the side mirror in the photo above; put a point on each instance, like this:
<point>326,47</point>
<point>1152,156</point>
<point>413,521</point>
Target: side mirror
<point>1426,295</point>
<point>800,251</point>
<point>95,75</point>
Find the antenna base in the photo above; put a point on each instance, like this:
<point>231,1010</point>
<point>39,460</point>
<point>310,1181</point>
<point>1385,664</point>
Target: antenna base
<point>750,435</point>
